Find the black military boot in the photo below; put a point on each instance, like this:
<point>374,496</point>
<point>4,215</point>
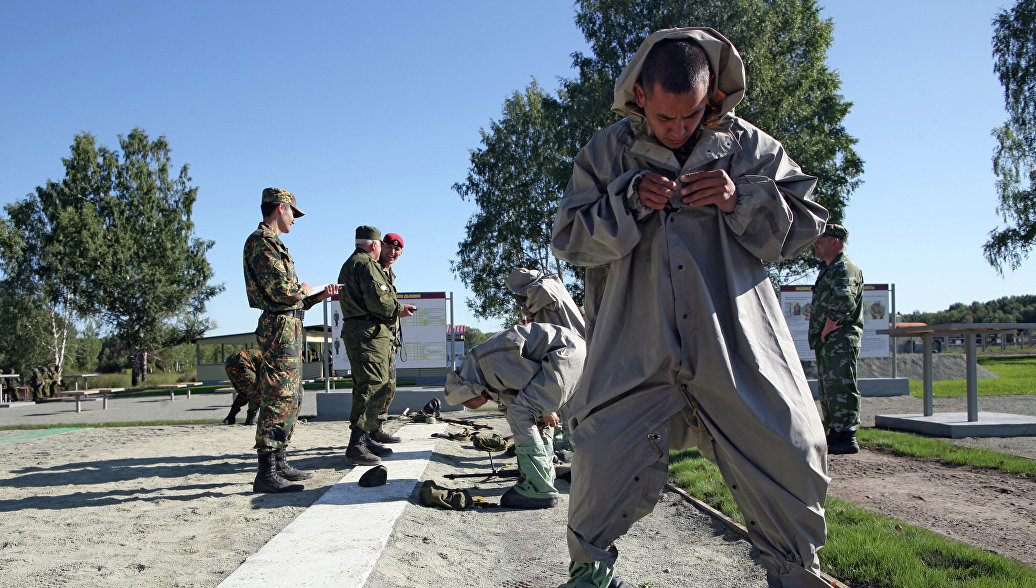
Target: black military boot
<point>286,470</point>
<point>250,417</point>
<point>232,417</point>
<point>381,436</point>
<point>375,447</point>
<point>358,453</point>
<point>842,442</point>
<point>268,480</point>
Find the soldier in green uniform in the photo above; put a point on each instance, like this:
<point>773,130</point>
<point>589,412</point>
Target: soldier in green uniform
<point>36,385</point>
<point>369,313</point>
<point>55,381</point>
<point>242,369</point>
<point>272,286</point>
<point>835,329</point>
<point>391,249</point>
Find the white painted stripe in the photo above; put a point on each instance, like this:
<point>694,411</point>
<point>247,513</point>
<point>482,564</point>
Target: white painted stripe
<point>337,541</point>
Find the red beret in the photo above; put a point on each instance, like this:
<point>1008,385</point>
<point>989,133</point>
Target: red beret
<point>393,239</point>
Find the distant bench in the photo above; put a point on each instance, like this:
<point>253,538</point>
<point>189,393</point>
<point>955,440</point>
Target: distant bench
<point>89,394</point>
<point>174,387</point>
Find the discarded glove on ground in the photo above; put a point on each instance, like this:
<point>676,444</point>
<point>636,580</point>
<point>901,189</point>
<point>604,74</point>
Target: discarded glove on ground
<point>434,495</point>
<point>376,476</point>
<point>494,443</point>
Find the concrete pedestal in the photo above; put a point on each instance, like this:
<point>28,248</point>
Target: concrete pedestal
<point>955,425</point>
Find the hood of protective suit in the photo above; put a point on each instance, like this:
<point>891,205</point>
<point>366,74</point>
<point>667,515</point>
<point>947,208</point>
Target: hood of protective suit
<point>728,76</point>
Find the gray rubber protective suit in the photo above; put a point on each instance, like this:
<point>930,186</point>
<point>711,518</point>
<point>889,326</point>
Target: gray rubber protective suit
<point>689,346</point>
<point>546,299</point>
<point>529,370</point>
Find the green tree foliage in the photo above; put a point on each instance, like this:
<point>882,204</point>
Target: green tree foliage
<point>1009,309</point>
<point>152,285</point>
<point>114,240</point>
<point>51,249</point>
<point>1014,162</point>
<point>515,179</point>
<point>525,159</point>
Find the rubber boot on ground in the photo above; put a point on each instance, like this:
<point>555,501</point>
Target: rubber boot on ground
<point>268,480</point>
<point>286,470</point>
<point>358,453</point>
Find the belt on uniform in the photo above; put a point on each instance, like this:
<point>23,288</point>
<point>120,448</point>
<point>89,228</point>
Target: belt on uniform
<point>299,314</point>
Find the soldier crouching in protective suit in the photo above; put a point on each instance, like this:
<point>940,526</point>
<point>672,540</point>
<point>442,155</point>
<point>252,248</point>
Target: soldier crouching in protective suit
<point>242,369</point>
<point>530,371</point>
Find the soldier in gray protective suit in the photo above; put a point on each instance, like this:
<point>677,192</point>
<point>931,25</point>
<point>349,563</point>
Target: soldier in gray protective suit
<point>530,371</point>
<point>545,299</point>
<point>690,347</point>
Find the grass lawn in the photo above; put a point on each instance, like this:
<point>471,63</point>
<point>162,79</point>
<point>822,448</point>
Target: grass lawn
<point>872,550</point>
<point>1017,376</point>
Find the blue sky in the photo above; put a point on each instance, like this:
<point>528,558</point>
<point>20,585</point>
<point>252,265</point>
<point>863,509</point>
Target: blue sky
<point>367,112</point>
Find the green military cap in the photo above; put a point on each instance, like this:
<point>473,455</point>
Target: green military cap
<point>282,195</point>
<point>368,232</point>
<point>837,231</point>
<point>376,476</point>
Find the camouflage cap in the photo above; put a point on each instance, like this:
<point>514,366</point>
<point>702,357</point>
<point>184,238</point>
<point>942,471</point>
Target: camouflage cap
<point>282,195</point>
<point>837,231</point>
<point>368,232</point>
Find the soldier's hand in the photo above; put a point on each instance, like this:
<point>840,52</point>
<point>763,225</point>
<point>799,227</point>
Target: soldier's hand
<point>655,190</point>
<point>408,310</point>
<point>329,291</point>
<point>829,326</point>
<point>709,187</point>
<point>552,420</point>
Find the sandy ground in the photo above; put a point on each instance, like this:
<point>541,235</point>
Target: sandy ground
<point>172,506</point>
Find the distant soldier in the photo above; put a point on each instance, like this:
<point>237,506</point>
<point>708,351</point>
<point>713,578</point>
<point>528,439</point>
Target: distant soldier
<point>273,286</point>
<point>530,371</point>
<point>55,381</point>
<point>242,369</point>
<point>835,329</point>
<point>36,385</point>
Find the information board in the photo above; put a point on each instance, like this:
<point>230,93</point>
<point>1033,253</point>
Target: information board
<point>423,335</point>
<point>796,303</point>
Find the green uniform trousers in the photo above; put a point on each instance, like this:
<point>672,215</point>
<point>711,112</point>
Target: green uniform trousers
<point>369,358</point>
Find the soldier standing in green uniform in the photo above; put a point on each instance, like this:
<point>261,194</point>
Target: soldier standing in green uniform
<point>391,249</point>
<point>36,385</point>
<point>243,369</point>
<point>835,329</point>
<point>272,286</point>
<point>369,314</point>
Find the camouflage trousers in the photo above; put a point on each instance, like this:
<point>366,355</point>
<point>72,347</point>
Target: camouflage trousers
<point>836,378</point>
<point>280,380</point>
<point>246,383</point>
<point>369,358</point>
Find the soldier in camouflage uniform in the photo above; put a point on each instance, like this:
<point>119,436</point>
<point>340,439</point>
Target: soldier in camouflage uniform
<point>272,286</point>
<point>242,369</point>
<point>369,313</point>
<point>55,381</point>
<point>835,329</point>
<point>36,384</point>
<point>391,249</point>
